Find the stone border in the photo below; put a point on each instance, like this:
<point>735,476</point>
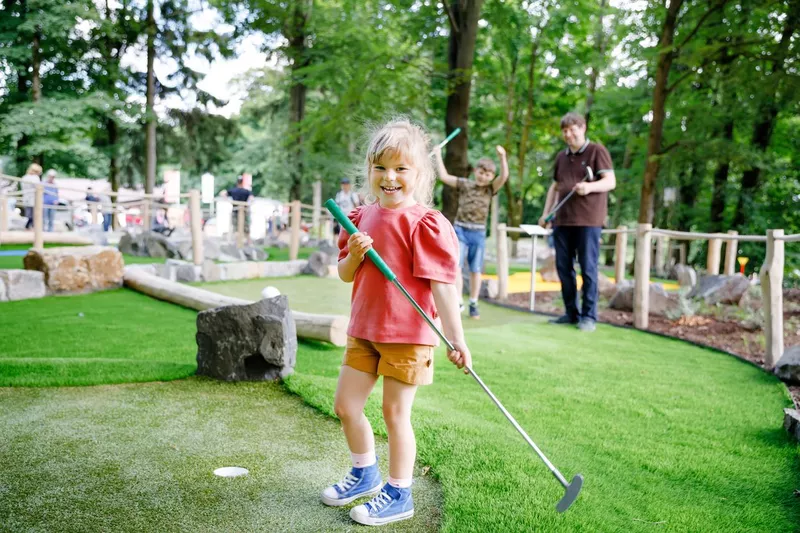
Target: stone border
<point>185,271</point>
<point>54,237</point>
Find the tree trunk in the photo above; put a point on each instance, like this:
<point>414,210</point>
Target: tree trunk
<point>297,93</point>
<point>690,182</point>
<point>765,125</point>
<point>600,41</point>
<point>665,58</point>
<point>36,80</point>
<point>461,54</point>
<point>721,181</point>
<point>150,116</point>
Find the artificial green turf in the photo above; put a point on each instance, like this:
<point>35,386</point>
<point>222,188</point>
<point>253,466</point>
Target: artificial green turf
<point>282,254</point>
<point>122,336</point>
<point>140,458</point>
<point>667,435</point>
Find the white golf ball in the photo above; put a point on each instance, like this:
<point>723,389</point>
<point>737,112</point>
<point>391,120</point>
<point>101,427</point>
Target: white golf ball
<point>270,292</point>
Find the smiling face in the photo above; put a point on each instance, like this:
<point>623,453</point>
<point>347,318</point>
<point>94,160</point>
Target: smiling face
<point>483,176</point>
<point>574,135</point>
<point>392,179</point>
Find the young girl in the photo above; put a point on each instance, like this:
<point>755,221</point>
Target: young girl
<point>386,336</point>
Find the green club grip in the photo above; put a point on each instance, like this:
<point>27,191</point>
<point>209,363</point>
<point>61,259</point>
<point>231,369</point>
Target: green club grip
<point>550,217</point>
<point>351,228</point>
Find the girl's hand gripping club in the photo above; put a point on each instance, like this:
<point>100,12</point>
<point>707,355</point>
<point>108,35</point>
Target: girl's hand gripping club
<point>572,488</point>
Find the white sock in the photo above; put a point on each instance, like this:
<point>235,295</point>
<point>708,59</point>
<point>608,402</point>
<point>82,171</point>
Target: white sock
<point>360,460</point>
<point>400,483</point>
<point>473,301</point>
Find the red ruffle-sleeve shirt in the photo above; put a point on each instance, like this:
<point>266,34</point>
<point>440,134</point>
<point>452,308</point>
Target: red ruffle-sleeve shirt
<point>420,246</point>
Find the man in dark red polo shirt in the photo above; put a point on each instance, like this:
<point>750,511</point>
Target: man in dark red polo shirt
<point>576,228</point>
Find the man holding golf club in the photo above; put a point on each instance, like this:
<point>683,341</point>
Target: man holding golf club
<point>583,176</point>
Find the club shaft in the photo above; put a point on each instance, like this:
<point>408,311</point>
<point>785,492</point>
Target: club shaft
<point>499,405</point>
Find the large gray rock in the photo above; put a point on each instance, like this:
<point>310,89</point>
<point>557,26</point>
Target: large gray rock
<point>247,342</point>
<point>660,301</point>
<point>318,263</point>
<point>231,251</point>
<point>788,366</point>
<point>157,245</point>
<point>605,286</point>
<point>686,276</point>
<point>132,244</point>
<point>255,254</point>
<point>328,248</point>
<point>721,289</point>
<point>791,422</point>
<point>23,284</point>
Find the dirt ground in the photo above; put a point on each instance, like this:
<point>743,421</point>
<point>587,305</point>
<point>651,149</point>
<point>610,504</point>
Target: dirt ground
<point>733,329</point>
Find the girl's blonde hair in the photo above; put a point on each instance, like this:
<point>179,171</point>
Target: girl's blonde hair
<point>401,136</point>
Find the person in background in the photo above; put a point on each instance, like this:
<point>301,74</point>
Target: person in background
<point>347,200</point>
<point>29,181</point>
<point>108,211</point>
<point>578,223</point>
<point>50,200</point>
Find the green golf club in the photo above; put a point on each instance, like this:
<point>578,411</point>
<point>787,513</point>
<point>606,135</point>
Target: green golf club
<point>588,177</point>
<point>446,140</point>
<point>573,488</point>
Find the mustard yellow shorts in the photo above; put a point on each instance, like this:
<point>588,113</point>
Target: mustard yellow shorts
<point>409,363</point>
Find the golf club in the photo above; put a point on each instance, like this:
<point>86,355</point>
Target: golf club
<point>445,141</point>
<point>588,177</point>
<point>572,488</point>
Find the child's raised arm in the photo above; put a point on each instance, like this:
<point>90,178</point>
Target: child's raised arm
<point>498,183</point>
<point>441,171</point>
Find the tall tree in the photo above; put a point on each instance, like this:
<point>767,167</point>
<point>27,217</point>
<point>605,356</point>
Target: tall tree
<point>668,52</point>
<point>150,119</point>
<point>463,16</point>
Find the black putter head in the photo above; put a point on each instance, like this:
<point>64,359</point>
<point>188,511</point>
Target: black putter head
<point>572,492</point>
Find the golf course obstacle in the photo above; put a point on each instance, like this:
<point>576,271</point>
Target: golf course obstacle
<point>326,328</point>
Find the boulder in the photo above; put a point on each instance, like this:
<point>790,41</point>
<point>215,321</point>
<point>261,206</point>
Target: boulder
<point>23,284</point>
<point>660,301</point>
<point>686,276</point>
<point>231,251</point>
<point>721,289</point>
<point>791,422</point>
<point>253,342</point>
<point>318,263</point>
<point>548,269</point>
<point>328,248</point>
<point>606,287</point>
<point>255,254</point>
<point>132,244</point>
<point>788,366</point>
<point>77,269</point>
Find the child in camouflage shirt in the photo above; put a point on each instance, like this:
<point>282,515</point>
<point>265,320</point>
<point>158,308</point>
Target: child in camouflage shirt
<point>474,199</point>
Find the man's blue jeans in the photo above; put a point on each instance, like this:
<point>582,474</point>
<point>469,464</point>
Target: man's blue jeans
<point>583,242</point>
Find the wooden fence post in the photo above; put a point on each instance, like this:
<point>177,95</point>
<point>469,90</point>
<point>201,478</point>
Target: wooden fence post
<point>661,256</point>
<point>641,292</point>
<point>196,217</point>
<point>93,210</point>
<point>294,242</point>
<point>712,262</point>
<point>731,249</point>
<point>242,212</point>
<point>3,213</point>
<point>38,218</point>
<point>621,244</point>
<point>502,262</point>
<point>315,215</point>
<point>146,214</point>
<point>772,296</point>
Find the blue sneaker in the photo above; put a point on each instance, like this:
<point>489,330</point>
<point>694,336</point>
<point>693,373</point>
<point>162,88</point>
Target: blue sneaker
<point>391,505</point>
<point>357,483</point>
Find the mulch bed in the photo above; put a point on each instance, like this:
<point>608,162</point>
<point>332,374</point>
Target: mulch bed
<point>726,334</point>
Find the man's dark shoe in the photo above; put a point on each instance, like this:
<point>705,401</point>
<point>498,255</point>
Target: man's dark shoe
<point>587,325</point>
<point>473,310</point>
<point>563,319</point>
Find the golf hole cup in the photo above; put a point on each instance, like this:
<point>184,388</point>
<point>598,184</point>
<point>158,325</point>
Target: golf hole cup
<point>231,471</point>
